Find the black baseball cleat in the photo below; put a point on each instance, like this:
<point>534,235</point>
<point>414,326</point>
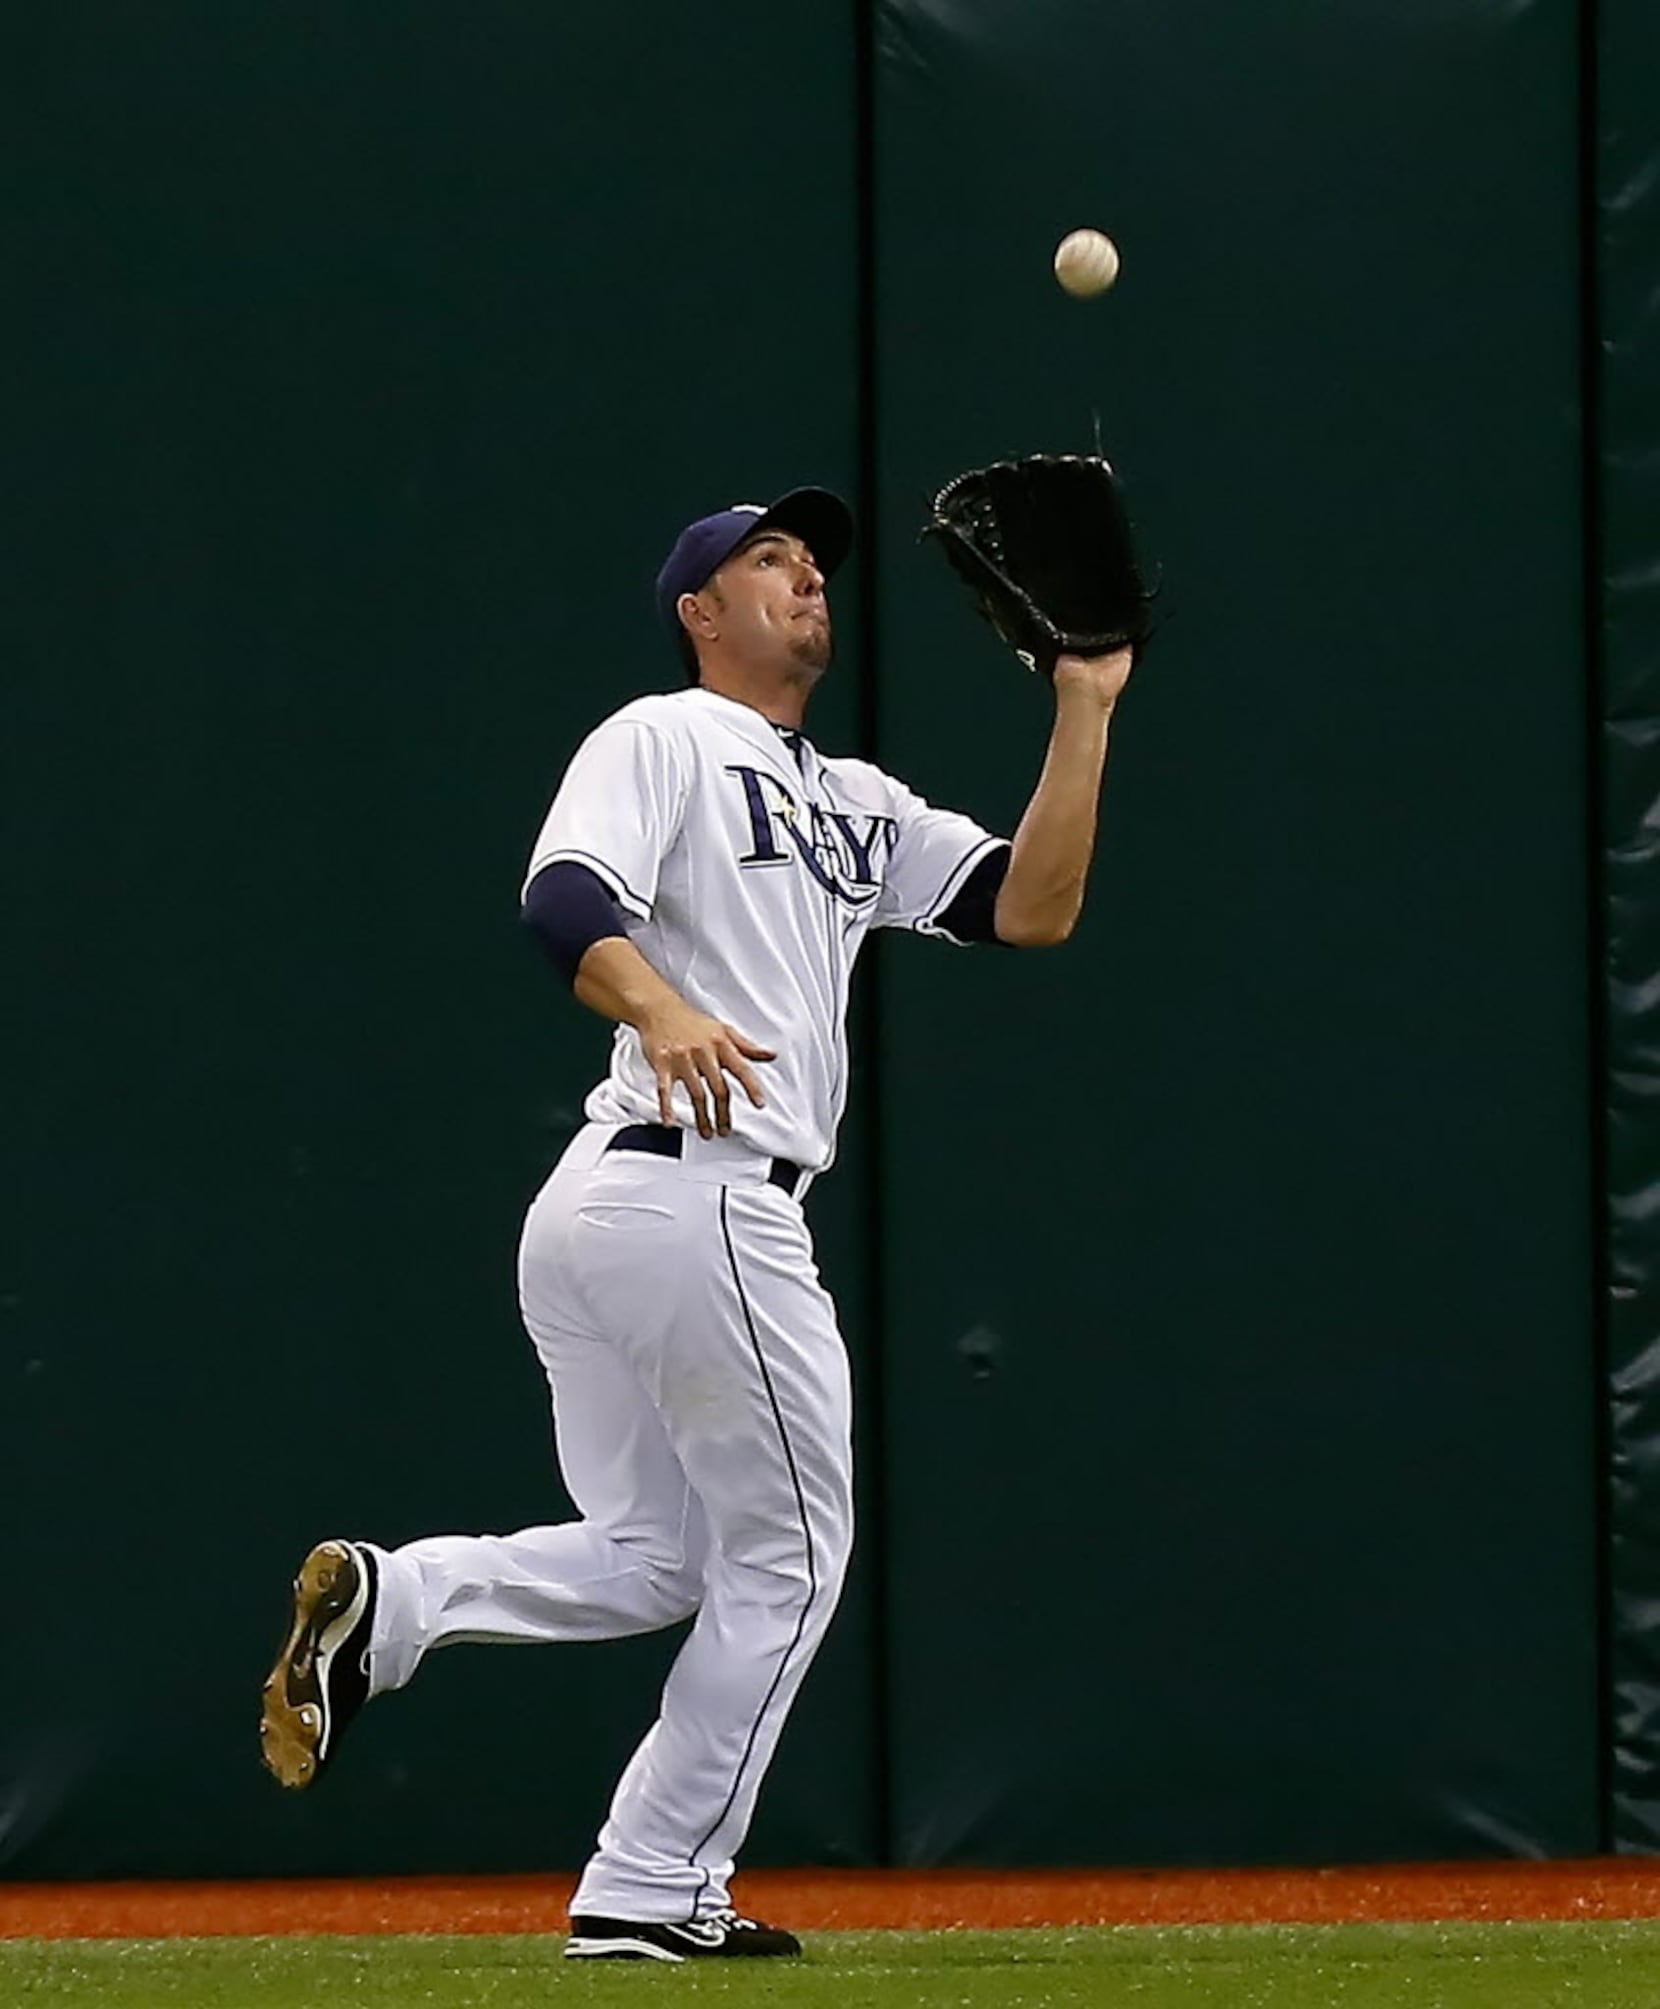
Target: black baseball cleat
<point>320,1680</point>
<point>723,1935</point>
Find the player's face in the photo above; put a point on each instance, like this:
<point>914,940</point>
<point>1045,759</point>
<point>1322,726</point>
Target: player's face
<point>773,612</point>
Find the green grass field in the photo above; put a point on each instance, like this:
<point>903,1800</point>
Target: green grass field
<point>1199,1967</point>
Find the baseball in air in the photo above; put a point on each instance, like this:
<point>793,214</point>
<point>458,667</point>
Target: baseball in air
<point>1086,263</point>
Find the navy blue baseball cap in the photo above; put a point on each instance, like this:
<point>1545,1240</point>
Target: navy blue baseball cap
<point>822,521</point>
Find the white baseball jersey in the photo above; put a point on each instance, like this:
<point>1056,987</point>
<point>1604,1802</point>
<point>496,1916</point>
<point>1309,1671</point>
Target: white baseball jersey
<point>749,873</point>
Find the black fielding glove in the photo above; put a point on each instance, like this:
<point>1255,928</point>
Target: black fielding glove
<point>1044,544</point>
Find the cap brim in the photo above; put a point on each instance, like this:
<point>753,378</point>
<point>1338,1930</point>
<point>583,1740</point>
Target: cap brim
<point>822,521</point>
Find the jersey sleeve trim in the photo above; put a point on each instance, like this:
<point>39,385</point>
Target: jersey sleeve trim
<point>968,919</point>
<point>613,881</point>
<point>928,924</point>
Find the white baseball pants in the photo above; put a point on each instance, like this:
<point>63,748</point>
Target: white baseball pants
<point>703,1420</point>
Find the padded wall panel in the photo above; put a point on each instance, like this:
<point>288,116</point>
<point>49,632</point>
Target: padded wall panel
<point>1236,1300</point>
<point>373,358</point>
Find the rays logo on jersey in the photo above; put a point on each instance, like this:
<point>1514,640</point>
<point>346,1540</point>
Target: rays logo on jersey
<point>842,849</point>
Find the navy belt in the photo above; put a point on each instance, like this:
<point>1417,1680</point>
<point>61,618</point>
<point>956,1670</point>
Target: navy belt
<point>662,1140</point>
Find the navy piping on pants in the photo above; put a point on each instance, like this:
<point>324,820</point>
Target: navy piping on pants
<point>806,1535</point>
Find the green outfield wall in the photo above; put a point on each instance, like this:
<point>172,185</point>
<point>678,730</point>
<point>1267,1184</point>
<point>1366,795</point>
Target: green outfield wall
<point>1226,1290</point>
<point>379,356</point>
<point>1238,1316</point>
<point>1623,498</point>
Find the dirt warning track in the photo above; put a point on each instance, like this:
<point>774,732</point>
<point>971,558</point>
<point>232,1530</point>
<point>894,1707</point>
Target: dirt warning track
<point>828,1900</point>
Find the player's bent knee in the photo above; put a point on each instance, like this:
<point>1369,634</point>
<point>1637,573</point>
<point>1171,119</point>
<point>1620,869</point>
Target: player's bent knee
<point>672,1580</point>
<point>679,1592</point>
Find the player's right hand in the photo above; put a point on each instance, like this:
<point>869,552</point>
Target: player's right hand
<point>685,1045</point>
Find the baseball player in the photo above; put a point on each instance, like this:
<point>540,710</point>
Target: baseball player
<point>704,879</point>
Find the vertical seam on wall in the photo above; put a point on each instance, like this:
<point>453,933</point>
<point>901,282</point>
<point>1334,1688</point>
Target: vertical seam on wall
<point>1598,837</point>
<point>874,1395</point>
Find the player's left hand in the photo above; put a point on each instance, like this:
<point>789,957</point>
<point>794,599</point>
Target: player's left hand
<point>1099,677</point>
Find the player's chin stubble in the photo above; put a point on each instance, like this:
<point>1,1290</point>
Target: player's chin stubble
<point>812,650</point>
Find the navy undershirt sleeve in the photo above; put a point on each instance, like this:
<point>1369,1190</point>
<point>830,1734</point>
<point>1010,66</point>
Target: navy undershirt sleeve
<point>971,915</point>
<point>568,909</point>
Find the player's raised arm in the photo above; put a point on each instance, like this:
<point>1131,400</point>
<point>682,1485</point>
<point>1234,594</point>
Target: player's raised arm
<point>1042,892</point>
<point>1045,546</point>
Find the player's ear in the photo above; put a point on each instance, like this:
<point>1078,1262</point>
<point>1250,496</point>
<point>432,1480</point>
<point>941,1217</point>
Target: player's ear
<point>696,618</point>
